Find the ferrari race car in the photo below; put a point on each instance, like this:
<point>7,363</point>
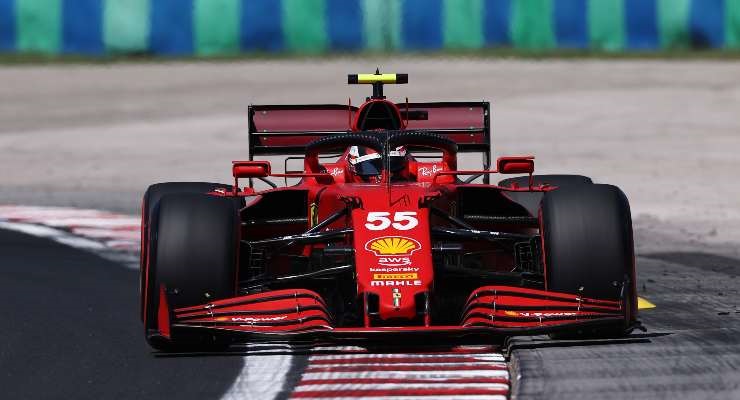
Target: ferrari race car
<point>379,234</point>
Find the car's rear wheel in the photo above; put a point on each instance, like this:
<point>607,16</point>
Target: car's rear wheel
<point>151,198</point>
<point>531,200</point>
<point>588,245</point>
<point>193,253</point>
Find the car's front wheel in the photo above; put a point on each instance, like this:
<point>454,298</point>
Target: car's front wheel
<point>150,200</point>
<point>193,253</point>
<point>588,245</point>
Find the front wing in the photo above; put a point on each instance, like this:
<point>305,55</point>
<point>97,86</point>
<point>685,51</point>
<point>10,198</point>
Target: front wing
<point>303,314</point>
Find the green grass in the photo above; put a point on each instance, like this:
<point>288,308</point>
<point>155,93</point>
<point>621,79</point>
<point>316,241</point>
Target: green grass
<point>499,53</point>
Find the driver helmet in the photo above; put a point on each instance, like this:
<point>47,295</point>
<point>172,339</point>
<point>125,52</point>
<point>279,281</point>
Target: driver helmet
<point>367,164</point>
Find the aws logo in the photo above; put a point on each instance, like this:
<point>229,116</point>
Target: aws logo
<point>392,246</point>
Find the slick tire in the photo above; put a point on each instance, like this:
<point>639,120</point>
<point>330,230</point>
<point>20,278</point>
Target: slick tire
<point>193,254</point>
<point>531,201</point>
<point>588,246</point>
<point>151,198</point>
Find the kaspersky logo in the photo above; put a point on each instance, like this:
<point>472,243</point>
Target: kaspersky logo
<point>392,246</point>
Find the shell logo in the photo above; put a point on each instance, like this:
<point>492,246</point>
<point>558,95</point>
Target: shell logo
<point>392,245</point>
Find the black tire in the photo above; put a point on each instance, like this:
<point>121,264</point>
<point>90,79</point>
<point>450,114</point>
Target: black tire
<point>531,201</point>
<point>588,244</point>
<point>193,252</point>
<point>151,198</point>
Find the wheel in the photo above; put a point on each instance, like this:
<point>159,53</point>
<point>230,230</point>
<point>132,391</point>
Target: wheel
<point>193,251</point>
<point>531,201</point>
<point>588,245</point>
<point>151,198</point>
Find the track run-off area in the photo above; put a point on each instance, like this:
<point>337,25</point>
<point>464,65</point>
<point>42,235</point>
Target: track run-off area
<point>79,144</point>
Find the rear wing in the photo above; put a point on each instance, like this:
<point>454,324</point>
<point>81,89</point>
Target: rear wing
<point>287,129</point>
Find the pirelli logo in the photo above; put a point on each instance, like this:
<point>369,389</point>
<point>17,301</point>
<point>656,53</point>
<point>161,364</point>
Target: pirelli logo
<point>380,277</point>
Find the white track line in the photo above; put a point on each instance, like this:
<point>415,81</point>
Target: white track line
<point>54,234</point>
<point>261,377</point>
<point>32,229</point>
<point>345,349</point>
<point>94,222</point>
<point>113,236</point>
<point>129,235</point>
<point>32,212</point>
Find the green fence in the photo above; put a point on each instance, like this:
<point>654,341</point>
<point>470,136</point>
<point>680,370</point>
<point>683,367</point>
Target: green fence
<point>220,27</point>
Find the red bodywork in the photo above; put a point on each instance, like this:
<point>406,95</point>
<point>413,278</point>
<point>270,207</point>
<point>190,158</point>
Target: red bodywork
<point>393,249</point>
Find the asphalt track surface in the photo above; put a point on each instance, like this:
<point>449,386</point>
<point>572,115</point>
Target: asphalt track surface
<point>666,132</point>
<point>69,331</point>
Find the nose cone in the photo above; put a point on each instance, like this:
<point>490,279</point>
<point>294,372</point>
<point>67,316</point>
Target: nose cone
<point>392,254</point>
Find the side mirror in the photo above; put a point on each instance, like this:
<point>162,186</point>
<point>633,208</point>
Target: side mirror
<point>515,165</point>
<point>250,169</point>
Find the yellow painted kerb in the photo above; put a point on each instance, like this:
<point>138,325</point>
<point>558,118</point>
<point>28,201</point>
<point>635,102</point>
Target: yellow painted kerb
<point>644,304</point>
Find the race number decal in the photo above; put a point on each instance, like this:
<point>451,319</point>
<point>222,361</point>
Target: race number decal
<point>402,220</point>
<point>405,220</point>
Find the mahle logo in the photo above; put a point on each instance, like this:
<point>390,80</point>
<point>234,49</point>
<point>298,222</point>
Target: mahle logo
<point>392,246</point>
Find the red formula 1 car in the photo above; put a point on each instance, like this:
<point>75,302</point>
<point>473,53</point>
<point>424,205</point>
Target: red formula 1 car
<point>382,235</point>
